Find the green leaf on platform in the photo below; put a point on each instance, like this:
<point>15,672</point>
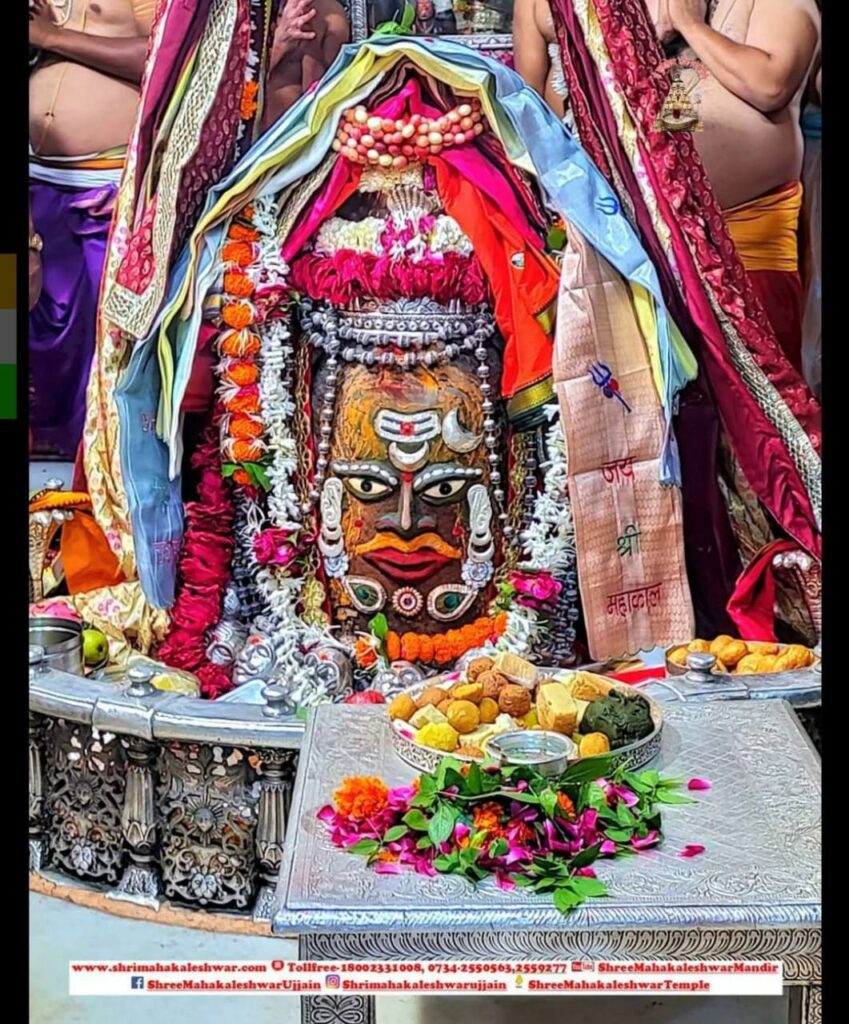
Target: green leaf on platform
<point>394,833</point>
<point>365,846</point>
<point>416,820</point>
<point>442,824</point>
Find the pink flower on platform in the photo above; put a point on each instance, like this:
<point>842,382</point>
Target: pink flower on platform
<point>698,784</point>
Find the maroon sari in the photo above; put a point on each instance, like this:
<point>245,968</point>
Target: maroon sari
<point>715,284</point>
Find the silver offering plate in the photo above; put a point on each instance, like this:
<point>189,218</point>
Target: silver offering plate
<point>427,759</point>
<point>762,678</point>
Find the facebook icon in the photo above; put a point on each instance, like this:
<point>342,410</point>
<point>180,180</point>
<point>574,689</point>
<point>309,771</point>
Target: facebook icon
<point>137,981</point>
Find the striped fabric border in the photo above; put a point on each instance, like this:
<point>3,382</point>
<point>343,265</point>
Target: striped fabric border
<point>8,343</point>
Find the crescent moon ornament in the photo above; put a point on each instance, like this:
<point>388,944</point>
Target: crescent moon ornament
<point>456,437</point>
<point>409,461</point>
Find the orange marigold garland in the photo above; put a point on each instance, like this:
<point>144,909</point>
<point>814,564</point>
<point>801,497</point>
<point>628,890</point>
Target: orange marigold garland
<point>248,103</point>
<point>239,347</point>
<point>444,648</point>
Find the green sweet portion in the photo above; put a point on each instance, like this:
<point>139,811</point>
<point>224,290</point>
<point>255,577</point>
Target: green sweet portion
<point>622,718</point>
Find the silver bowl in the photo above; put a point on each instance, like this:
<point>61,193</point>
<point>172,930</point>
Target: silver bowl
<point>62,641</point>
<point>548,752</point>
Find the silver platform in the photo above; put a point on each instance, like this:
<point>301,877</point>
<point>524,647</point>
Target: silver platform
<point>753,894</point>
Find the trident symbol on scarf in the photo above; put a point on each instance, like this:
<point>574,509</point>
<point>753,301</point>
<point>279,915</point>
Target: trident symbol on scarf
<point>602,377</point>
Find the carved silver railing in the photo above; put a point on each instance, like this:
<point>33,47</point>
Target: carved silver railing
<point>155,796</point>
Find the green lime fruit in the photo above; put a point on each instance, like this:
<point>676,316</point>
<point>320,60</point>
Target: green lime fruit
<point>95,647</point>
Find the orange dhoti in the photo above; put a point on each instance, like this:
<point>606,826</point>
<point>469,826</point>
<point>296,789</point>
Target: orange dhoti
<point>765,232</point>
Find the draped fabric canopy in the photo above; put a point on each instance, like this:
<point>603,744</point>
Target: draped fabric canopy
<point>157,371</point>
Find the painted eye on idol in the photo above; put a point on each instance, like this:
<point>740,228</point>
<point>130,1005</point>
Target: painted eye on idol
<point>444,490</point>
<point>450,601</point>
<point>366,488</point>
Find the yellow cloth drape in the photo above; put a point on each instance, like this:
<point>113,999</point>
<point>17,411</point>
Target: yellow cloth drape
<point>765,230</point>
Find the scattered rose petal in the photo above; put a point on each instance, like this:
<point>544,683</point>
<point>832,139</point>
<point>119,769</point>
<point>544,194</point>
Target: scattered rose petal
<point>646,841</point>
<point>586,873</point>
<point>698,784</point>
<point>386,867</point>
<point>692,850</point>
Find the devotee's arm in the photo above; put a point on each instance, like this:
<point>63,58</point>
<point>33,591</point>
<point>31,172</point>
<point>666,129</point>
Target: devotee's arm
<point>335,33</point>
<point>530,52</point>
<point>122,57</point>
<point>766,76</point>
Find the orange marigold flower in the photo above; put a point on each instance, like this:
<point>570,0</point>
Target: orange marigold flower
<point>237,283</point>
<point>242,233</point>
<point>240,253</point>
<point>441,650</point>
<point>500,622</point>
<point>243,401</point>
<point>245,451</point>
<point>410,647</point>
<point>237,314</point>
<point>414,785</point>
<point>364,653</point>
<point>361,796</point>
<point>241,478</point>
<point>248,212</point>
<point>487,816</point>
<point>393,646</point>
<point>240,343</point>
<point>425,648</point>
<point>244,427</point>
<point>248,104</point>
<point>241,373</point>
<point>523,833</point>
<point>387,857</point>
<point>566,805</point>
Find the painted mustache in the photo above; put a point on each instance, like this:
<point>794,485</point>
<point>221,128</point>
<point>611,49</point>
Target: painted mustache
<point>432,541</point>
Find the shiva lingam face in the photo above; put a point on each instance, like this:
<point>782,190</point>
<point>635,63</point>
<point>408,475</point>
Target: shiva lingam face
<point>407,525</point>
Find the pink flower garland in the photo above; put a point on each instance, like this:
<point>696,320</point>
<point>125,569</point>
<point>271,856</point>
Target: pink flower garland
<point>348,275</point>
<point>204,572</point>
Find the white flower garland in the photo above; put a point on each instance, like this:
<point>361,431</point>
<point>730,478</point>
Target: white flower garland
<point>278,587</point>
<point>358,235</point>
<point>337,234</point>
<point>548,542</point>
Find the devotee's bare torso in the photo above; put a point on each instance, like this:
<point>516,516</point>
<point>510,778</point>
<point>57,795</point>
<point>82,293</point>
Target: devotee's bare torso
<point>555,83</point>
<point>75,110</point>
<point>747,153</point>
<point>536,52</point>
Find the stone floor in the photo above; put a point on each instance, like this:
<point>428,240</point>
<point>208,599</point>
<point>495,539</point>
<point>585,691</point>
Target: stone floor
<point>60,932</point>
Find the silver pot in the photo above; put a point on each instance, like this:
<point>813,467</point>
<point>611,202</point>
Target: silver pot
<point>62,641</point>
<point>548,753</point>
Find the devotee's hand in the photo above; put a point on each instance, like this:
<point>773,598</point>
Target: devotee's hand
<point>687,12</point>
<point>292,28</point>
<point>41,24</point>
<point>659,14</point>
